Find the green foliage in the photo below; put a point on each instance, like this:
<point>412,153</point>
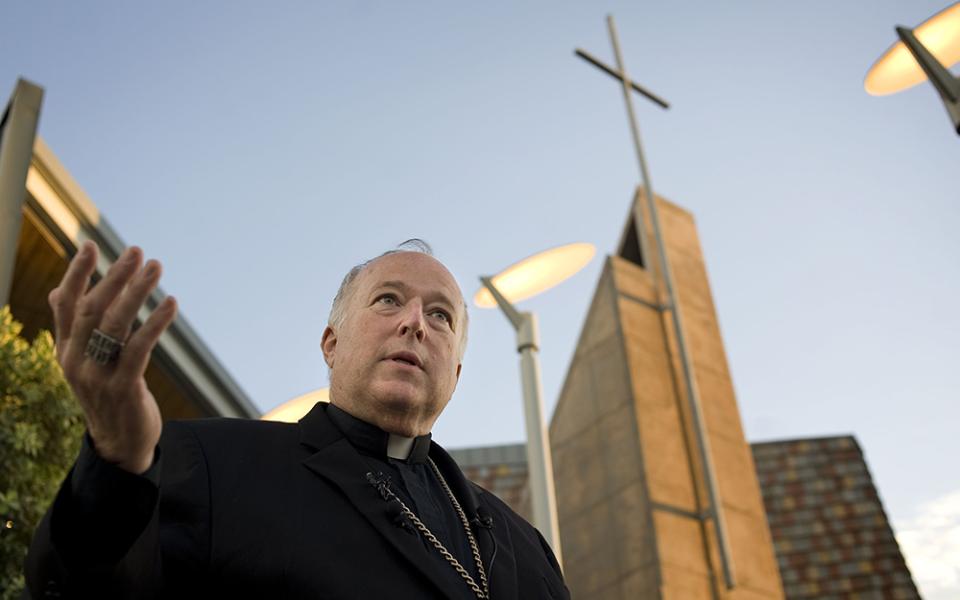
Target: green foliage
<point>40,430</point>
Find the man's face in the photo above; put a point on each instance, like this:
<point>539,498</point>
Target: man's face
<point>394,360</point>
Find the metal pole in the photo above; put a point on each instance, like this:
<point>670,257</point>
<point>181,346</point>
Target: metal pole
<point>943,81</point>
<point>539,460</point>
<point>638,219</point>
<point>18,129</point>
<point>693,396</point>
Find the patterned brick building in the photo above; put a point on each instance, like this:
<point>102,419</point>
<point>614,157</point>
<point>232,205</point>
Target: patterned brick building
<point>830,532</point>
<point>501,470</point>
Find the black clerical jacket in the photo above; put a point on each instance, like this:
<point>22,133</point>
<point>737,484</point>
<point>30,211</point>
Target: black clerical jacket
<point>268,510</point>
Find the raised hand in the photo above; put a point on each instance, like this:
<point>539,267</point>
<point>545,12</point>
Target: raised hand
<point>121,414</point>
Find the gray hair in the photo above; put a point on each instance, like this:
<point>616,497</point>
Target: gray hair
<point>339,308</point>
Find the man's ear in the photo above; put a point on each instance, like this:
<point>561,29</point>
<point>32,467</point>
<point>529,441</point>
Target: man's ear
<point>328,343</point>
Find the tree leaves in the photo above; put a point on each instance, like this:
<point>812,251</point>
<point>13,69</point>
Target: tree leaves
<point>40,430</point>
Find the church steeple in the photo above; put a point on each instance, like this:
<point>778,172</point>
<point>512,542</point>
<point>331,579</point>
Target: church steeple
<point>634,508</point>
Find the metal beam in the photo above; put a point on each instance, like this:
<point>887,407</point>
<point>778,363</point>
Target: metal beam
<point>945,83</point>
<point>613,73</point>
<point>18,128</point>
<point>693,396</point>
<point>679,332</point>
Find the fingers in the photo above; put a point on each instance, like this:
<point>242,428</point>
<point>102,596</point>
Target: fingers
<point>63,299</point>
<point>92,305</point>
<point>122,416</point>
<point>119,317</point>
<point>136,354</point>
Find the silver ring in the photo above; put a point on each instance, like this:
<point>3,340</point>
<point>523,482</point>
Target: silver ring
<point>102,348</point>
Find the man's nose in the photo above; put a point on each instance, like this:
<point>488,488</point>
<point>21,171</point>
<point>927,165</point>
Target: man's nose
<point>412,321</point>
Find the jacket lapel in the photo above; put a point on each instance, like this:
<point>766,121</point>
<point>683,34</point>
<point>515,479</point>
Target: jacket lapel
<point>339,463</point>
<point>502,577</point>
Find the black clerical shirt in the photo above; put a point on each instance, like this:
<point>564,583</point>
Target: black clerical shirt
<point>415,483</point>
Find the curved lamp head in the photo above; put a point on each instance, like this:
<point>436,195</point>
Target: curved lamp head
<point>536,273</point>
<point>898,70</point>
<point>294,410</point>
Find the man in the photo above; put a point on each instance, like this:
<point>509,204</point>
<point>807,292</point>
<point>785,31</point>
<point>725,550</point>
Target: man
<point>354,501</point>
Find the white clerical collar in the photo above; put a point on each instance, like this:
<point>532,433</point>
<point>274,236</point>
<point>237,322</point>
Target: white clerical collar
<point>399,447</point>
<point>377,442</point>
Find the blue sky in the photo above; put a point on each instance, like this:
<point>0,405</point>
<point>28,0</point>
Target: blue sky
<point>261,149</point>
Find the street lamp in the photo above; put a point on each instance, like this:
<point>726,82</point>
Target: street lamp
<point>925,52</point>
<point>518,282</point>
<point>292,411</point>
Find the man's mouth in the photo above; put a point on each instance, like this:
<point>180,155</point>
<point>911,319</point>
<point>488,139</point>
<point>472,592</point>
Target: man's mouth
<point>406,358</point>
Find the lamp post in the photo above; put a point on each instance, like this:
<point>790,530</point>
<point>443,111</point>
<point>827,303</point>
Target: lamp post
<point>925,52</point>
<point>518,282</point>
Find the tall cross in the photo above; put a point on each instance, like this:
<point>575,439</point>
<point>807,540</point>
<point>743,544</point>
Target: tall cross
<point>620,73</point>
<point>714,511</point>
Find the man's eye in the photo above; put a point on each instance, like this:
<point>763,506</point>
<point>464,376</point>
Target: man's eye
<point>442,315</point>
<point>388,299</point>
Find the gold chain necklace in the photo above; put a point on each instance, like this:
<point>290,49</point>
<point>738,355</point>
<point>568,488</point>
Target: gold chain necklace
<point>383,486</point>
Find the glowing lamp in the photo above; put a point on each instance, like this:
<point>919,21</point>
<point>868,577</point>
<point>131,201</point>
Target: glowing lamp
<point>923,53</point>
<point>536,273</point>
<point>294,410</point>
<point>518,282</point>
<point>898,70</point>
